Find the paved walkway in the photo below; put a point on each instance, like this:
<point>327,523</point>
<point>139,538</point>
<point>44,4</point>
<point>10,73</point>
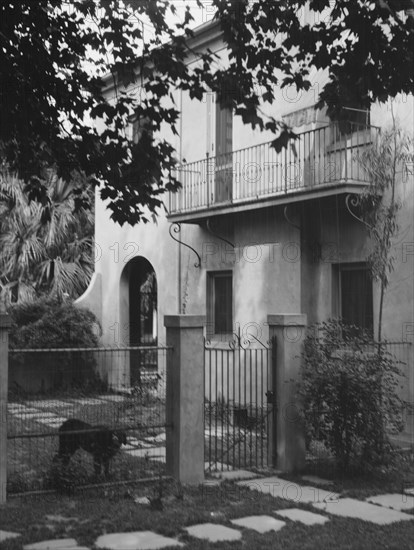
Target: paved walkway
<point>381,510</point>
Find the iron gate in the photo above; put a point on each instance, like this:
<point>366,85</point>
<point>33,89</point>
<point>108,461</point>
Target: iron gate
<point>122,389</point>
<point>239,404</point>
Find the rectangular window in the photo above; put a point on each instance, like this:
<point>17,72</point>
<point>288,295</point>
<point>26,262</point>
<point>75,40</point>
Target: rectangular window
<point>224,149</point>
<point>138,127</point>
<point>220,303</point>
<point>353,119</point>
<point>355,296</point>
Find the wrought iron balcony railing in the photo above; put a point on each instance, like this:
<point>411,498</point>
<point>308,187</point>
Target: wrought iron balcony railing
<point>321,158</point>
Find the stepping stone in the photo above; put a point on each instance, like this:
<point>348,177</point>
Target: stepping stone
<point>160,438</point>
<point>138,540</point>
<point>8,535</point>
<point>409,491</point>
<point>60,519</point>
<point>142,500</point>
<point>86,401</point>
<point>160,455</point>
<point>43,415</point>
<point>54,544</point>
<point>213,532</point>
<point>134,444</point>
<point>217,467</point>
<point>305,517</point>
<point>396,501</point>
<point>48,403</point>
<point>318,480</point>
<point>211,483</point>
<point>351,508</point>
<point>233,475</point>
<point>281,488</point>
<point>261,524</point>
<point>151,453</point>
<point>52,420</point>
<point>26,412</point>
<point>115,398</point>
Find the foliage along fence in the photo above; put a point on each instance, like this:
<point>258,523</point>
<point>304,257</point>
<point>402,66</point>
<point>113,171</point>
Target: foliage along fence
<point>402,353</point>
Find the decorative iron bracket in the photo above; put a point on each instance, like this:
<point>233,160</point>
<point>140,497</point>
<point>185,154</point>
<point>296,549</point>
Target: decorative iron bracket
<point>353,201</point>
<point>210,230</point>
<point>285,213</point>
<point>176,228</point>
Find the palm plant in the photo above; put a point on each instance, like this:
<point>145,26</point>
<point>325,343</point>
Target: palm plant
<point>44,248</point>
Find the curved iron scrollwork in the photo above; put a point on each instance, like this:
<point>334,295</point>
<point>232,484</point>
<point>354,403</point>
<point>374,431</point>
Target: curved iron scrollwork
<point>353,201</point>
<point>210,230</point>
<point>285,213</point>
<point>176,228</point>
<point>240,342</point>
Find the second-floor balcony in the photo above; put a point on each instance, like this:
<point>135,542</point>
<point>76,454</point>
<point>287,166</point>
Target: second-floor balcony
<point>320,162</point>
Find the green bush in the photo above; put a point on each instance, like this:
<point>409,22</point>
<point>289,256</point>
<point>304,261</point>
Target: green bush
<point>48,323</point>
<point>348,388</point>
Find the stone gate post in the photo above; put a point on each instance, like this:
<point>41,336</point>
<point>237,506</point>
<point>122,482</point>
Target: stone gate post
<point>289,332</point>
<point>185,398</point>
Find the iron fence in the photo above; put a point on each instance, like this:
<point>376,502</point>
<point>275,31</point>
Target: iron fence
<point>113,392</point>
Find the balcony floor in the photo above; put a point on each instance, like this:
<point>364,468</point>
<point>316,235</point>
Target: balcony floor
<point>197,215</point>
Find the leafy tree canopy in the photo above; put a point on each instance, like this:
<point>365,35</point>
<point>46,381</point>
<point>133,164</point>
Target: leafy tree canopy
<point>49,96</point>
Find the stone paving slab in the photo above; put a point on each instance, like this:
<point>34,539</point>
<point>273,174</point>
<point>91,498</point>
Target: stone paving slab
<point>52,422</point>
<point>288,490</point>
<point>53,544</point>
<point>138,540</point>
<point>317,480</point>
<point>42,414</point>
<point>213,532</point>
<point>396,501</point>
<point>152,453</point>
<point>47,403</point>
<point>409,491</point>
<point>135,444</point>
<point>233,475</point>
<point>87,401</point>
<point>217,467</point>
<point>351,508</point>
<point>261,524</point>
<point>305,517</point>
<point>115,398</point>
<point>25,411</point>
<point>4,535</point>
<point>16,406</point>
<point>160,438</point>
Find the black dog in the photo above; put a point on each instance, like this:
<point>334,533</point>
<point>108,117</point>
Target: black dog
<point>102,442</point>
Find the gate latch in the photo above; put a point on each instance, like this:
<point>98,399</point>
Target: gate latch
<point>271,398</point>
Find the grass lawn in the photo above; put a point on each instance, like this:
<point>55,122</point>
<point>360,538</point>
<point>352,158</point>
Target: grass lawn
<point>93,513</point>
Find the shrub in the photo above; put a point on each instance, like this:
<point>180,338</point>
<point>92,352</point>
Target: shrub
<point>48,323</point>
<point>348,388</point>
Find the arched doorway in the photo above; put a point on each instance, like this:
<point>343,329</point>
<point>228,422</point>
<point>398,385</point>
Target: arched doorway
<point>139,303</point>
<point>142,303</point>
<point>138,315</point>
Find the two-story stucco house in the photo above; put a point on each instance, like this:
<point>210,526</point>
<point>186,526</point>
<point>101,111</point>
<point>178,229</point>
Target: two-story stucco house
<point>253,232</point>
